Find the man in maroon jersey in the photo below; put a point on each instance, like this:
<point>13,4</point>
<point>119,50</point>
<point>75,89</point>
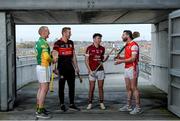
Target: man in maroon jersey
<point>94,55</point>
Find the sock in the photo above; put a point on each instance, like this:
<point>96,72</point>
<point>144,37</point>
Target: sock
<point>40,109</point>
<point>90,101</point>
<point>101,101</point>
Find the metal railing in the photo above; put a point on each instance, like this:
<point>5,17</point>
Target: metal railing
<point>145,67</point>
<point>26,68</point>
<point>145,64</point>
<point>25,61</point>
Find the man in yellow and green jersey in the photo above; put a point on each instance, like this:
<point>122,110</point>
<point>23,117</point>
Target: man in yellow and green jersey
<point>43,71</point>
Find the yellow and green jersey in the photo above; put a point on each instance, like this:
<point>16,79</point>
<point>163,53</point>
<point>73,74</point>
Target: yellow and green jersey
<point>43,52</point>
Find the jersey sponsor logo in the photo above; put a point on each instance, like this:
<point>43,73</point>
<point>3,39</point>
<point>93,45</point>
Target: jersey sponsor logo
<point>93,51</point>
<point>66,51</point>
<point>44,46</point>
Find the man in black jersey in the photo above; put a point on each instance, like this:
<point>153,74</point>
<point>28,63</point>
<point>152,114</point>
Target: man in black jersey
<point>67,65</point>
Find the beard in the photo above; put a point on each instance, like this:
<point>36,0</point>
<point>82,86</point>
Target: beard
<point>124,39</point>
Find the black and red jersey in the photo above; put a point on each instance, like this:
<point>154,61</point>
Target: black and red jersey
<point>65,50</point>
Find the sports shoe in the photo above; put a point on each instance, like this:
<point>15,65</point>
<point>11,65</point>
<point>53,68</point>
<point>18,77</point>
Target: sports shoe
<point>125,108</point>
<point>43,115</point>
<point>102,106</point>
<point>63,108</point>
<point>135,111</point>
<point>46,111</point>
<point>89,106</point>
<point>73,107</point>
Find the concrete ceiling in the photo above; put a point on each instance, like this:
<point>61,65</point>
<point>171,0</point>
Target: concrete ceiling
<point>88,11</point>
<point>123,16</point>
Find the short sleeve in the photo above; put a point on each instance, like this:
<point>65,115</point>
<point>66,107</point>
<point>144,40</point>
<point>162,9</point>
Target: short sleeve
<point>56,46</point>
<point>134,49</point>
<point>102,56</point>
<point>87,52</point>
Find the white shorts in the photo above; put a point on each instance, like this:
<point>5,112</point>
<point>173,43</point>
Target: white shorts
<point>43,73</point>
<point>99,75</point>
<point>131,73</point>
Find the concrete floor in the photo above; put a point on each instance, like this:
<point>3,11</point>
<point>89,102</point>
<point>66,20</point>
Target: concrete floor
<point>154,102</point>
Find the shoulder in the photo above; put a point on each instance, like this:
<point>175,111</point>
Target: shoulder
<point>89,47</point>
<point>57,42</point>
<point>134,43</point>
<point>101,47</point>
<point>134,46</point>
<point>39,43</point>
<point>70,42</point>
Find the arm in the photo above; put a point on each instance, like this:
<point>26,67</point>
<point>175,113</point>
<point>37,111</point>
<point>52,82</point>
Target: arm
<point>46,56</point>
<point>119,57</point>
<point>87,61</point>
<point>134,50</point>
<point>55,52</point>
<point>55,56</point>
<point>132,59</point>
<point>74,60</point>
<point>105,59</point>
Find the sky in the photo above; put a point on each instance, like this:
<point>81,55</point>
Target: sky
<point>110,32</point>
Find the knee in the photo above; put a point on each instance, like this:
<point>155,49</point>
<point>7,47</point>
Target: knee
<point>92,85</point>
<point>128,88</point>
<point>92,88</point>
<point>100,87</point>
<point>134,88</point>
<point>45,87</point>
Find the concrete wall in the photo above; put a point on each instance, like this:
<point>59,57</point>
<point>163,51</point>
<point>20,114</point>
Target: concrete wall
<point>26,69</point>
<point>87,4</point>
<point>3,62</point>
<point>25,74</point>
<point>160,55</point>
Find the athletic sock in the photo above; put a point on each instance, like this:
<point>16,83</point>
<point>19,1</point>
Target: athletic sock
<point>40,109</point>
<point>101,101</point>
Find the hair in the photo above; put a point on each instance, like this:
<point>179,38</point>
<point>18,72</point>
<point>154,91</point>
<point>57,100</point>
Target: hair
<point>136,34</point>
<point>65,29</point>
<point>129,33</point>
<point>41,29</point>
<point>132,35</point>
<point>97,34</point>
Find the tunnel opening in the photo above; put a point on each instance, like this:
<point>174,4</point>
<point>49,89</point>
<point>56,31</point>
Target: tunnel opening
<point>114,86</point>
<point>25,53</point>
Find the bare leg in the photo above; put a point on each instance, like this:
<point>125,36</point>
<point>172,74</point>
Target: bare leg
<point>91,90</point>
<point>129,91</point>
<point>101,90</point>
<point>38,95</point>
<point>135,91</point>
<point>42,94</point>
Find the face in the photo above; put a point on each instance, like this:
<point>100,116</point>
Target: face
<point>67,34</point>
<point>45,33</point>
<point>124,37</point>
<point>97,40</point>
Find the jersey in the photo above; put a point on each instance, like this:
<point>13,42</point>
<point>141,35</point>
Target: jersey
<point>132,48</point>
<point>65,55</point>
<point>95,56</point>
<point>43,52</point>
